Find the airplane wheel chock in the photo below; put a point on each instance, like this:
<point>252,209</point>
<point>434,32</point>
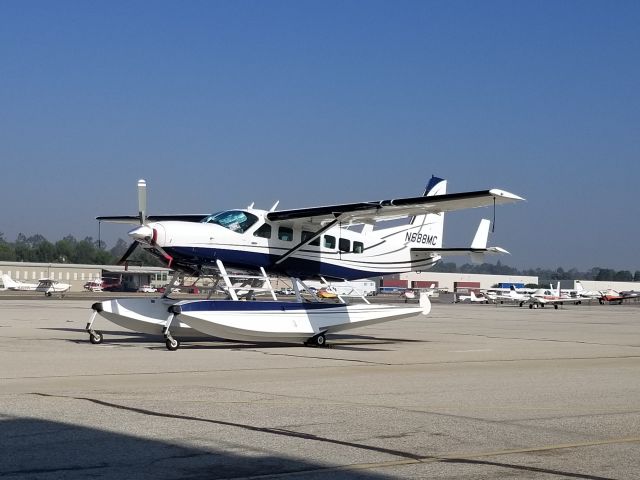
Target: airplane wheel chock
<point>172,344</point>
<point>96,338</point>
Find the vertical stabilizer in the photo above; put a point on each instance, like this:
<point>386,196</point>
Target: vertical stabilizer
<point>432,224</point>
<point>8,282</point>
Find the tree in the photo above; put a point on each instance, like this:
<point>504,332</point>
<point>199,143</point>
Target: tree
<point>7,251</point>
<point>65,249</point>
<point>636,276</point>
<point>605,275</point>
<point>119,249</point>
<point>623,276</point>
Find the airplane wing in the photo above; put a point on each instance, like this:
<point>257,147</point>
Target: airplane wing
<point>400,207</point>
<point>135,219</point>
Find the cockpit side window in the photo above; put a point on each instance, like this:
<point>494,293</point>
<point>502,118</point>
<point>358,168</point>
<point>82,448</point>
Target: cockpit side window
<point>264,231</point>
<point>235,220</point>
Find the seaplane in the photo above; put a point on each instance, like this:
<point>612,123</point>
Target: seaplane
<point>334,242</point>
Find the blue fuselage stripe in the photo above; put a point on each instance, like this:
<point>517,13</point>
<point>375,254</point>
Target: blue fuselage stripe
<point>293,266</point>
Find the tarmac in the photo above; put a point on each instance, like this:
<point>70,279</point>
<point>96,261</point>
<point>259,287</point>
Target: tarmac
<point>468,392</point>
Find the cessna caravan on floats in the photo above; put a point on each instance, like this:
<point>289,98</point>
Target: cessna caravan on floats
<point>328,242</point>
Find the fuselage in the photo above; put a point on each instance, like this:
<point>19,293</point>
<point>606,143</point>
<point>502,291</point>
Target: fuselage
<point>245,239</point>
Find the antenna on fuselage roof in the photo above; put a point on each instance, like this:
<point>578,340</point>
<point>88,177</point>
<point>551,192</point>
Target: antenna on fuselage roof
<point>275,205</point>
<point>250,207</point>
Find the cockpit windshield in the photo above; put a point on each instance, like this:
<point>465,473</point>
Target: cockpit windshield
<point>235,220</point>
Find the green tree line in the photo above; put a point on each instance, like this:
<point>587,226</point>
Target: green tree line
<point>37,248</point>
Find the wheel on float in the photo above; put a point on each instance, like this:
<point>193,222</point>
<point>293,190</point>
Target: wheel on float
<point>96,338</point>
<point>172,344</point>
<point>317,341</point>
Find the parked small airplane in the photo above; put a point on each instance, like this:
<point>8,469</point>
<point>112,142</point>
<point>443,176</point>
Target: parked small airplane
<point>542,297</point>
<point>515,296</point>
<point>473,298</point>
<point>613,296</point>
<point>44,285</point>
<point>306,243</point>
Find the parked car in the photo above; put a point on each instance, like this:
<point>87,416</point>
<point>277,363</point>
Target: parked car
<point>147,289</point>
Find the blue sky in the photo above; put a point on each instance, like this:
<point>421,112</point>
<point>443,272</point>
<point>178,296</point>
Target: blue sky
<point>220,104</point>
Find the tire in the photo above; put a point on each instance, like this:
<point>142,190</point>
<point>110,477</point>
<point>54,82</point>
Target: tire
<point>96,338</point>
<point>172,344</point>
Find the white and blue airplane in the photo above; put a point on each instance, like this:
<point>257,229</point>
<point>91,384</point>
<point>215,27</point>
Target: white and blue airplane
<point>334,242</point>
<point>329,242</point>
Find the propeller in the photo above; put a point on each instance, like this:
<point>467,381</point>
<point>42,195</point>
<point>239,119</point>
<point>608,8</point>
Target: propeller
<point>128,253</point>
<point>140,232</point>
<point>142,201</point>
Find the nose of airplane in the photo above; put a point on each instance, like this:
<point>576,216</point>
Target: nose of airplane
<point>143,233</point>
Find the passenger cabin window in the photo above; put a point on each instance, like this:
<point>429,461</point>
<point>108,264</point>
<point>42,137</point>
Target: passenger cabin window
<point>264,231</point>
<point>285,233</point>
<point>235,220</point>
<point>306,235</point>
<point>329,241</point>
<point>358,247</point>
<point>344,245</point>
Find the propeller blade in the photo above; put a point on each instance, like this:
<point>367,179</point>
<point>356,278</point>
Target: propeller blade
<point>128,253</point>
<point>142,200</point>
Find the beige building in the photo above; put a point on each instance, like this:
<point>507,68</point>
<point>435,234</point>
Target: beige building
<point>77,274</point>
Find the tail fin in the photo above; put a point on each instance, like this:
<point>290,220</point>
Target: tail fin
<point>432,224</point>
<point>8,282</point>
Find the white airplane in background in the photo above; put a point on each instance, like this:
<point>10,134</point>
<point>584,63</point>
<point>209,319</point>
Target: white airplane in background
<point>306,243</point>
<point>590,294</point>
<point>410,293</point>
<point>473,298</point>
<point>11,284</point>
<point>44,285</point>
<point>513,296</point>
<point>542,297</point>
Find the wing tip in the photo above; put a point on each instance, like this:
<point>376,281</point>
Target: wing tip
<point>496,192</point>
